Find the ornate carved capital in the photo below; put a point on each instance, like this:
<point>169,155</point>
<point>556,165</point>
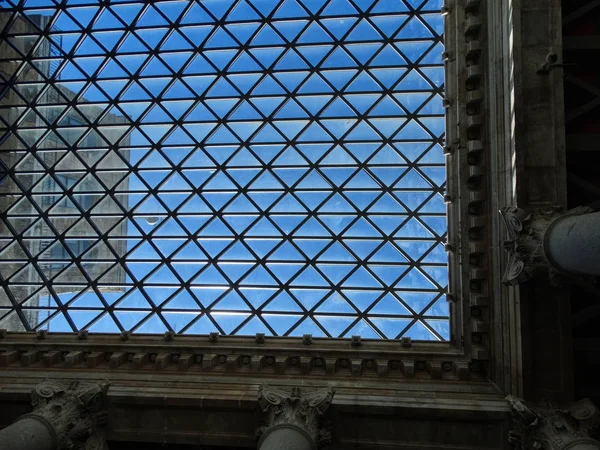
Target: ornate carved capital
<point>525,244</point>
<point>302,410</point>
<point>73,411</point>
<point>547,427</point>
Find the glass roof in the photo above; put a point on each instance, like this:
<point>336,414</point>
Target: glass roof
<point>238,166</point>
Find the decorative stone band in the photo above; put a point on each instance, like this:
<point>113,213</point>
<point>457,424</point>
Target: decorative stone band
<point>293,420</point>
<point>540,241</point>
<point>237,356</point>
<point>545,426</point>
<point>469,157</point>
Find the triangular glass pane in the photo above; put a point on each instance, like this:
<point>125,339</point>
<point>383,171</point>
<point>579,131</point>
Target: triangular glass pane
<point>280,323</point>
<point>241,12</point>
<point>363,329</point>
<point>228,321</point>
<point>419,332</point>
<point>389,6</point>
<point>196,15</point>
<point>335,303</point>
<point>308,326</point>
<point>289,9</point>
<point>254,326</point>
<point>204,325</point>
<point>335,325</point>
<point>315,34</point>
<point>265,7</point>
<point>391,328</point>
<point>217,8</point>
<point>231,302</point>
<point>283,303</point>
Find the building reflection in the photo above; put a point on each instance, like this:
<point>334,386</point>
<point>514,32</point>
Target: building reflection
<point>47,155</point>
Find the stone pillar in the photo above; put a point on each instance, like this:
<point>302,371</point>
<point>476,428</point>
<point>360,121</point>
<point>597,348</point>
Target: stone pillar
<point>537,427</point>
<point>553,241</point>
<point>572,244</point>
<point>293,421</point>
<point>28,433</point>
<point>63,417</point>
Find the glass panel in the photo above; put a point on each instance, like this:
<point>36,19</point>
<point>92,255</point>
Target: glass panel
<point>237,166</point>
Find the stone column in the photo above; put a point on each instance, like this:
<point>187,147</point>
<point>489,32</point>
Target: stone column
<point>63,417</point>
<point>293,421</point>
<point>553,241</point>
<point>572,243</point>
<point>547,427</point>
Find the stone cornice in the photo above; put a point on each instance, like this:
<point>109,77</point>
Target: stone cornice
<point>476,151</point>
<point>237,355</point>
<point>469,155</point>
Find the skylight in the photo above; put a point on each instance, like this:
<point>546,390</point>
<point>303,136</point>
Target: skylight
<point>238,166</point>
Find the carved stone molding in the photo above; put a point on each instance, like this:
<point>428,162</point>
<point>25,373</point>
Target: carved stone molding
<point>526,233</point>
<point>74,412</point>
<point>547,427</point>
<point>303,411</point>
<point>468,161</point>
<point>237,356</point>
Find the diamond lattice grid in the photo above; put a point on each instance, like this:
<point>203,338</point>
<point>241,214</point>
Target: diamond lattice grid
<point>238,166</point>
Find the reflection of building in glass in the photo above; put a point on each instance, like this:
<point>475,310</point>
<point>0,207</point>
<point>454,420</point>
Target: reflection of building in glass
<point>57,176</point>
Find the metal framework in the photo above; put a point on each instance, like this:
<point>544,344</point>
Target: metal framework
<point>238,166</point>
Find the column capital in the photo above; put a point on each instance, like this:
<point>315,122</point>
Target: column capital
<point>71,412</point>
<point>303,411</point>
<point>526,235</point>
<point>545,426</point>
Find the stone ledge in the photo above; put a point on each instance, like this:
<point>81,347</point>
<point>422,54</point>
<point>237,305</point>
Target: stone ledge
<point>221,410</point>
<point>238,356</point>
